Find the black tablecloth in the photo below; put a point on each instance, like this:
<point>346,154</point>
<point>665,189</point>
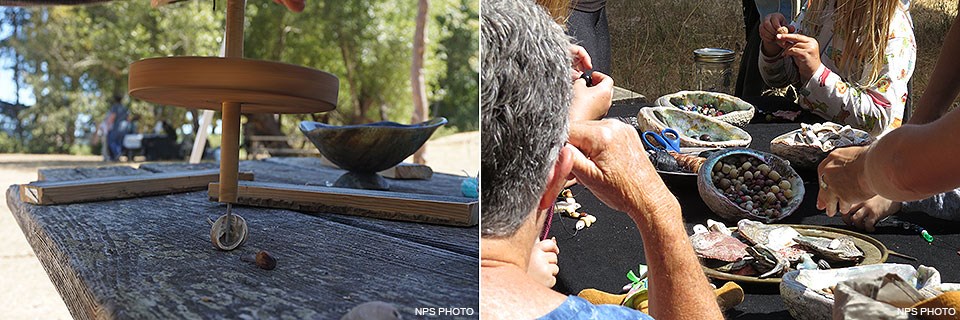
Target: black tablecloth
<point>600,256</point>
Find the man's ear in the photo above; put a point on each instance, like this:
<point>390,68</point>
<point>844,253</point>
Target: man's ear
<point>556,178</point>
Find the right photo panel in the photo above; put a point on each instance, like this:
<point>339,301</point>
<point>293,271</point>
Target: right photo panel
<point>719,159</point>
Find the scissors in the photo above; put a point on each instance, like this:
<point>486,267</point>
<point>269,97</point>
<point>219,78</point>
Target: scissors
<point>668,140</point>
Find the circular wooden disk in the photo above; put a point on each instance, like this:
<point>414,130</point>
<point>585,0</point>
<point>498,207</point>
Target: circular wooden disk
<point>260,86</point>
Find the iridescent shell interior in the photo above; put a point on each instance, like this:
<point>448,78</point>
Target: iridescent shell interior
<point>692,127</point>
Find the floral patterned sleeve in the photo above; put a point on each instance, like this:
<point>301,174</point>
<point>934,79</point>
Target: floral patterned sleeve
<point>779,71</point>
<point>874,108</point>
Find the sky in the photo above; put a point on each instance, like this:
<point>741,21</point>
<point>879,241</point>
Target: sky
<point>8,91</point>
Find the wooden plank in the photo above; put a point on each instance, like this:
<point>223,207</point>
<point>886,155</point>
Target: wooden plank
<point>402,171</point>
<point>288,151</point>
<point>118,187</point>
<point>408,171</point>
<point>63,174</point>
<point>302,171</point>
<point>445,210</point>
<point>312,171</point>
<point>151,258</point>
<point>276,138</point>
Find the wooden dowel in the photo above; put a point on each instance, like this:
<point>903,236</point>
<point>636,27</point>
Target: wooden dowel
<point>229,152</point>
<point>234,38</point>
<point>230,138</point>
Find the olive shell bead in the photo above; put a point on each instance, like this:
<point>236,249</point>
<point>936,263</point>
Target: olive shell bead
<point>785,185</point>
<point>764,168</point>
<point>774,175</point>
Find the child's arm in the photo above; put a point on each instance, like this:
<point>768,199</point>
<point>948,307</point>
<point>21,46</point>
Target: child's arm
<point>874,107</point>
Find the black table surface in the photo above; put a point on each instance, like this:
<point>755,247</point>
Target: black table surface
<point>600,256</point>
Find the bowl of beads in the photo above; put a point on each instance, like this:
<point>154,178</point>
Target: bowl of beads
<point>739,183</point>
<point>719,106</point>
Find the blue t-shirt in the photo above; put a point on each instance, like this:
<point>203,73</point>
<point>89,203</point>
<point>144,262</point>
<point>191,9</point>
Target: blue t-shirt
<point>578,308</point>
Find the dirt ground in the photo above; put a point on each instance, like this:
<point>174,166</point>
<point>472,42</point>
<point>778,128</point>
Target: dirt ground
<point>27,291</point>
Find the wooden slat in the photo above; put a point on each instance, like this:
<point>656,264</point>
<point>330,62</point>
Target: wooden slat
<point>402,171</point>
<point>446,210</point>
<point>275,138</point>
<point>289,151</point>
<point>408,171</point>
<point>63,174</point>
<point>313,170</point>
<point>111,188</point>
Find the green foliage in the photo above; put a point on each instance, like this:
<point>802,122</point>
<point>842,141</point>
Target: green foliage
<point>455,91</point>
<point>75,58</point>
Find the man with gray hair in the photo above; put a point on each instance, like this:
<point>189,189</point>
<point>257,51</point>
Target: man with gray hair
<point>525,95</point>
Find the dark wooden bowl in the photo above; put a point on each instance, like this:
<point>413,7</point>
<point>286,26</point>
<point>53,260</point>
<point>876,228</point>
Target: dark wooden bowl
<point>370,147</point>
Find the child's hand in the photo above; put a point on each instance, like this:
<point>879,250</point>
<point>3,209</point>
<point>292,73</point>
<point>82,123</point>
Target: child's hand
<point>543,262</point>
<point>805,52</point>
<point>581,59</point>
<point>866,215</point>
<point>772,25</point>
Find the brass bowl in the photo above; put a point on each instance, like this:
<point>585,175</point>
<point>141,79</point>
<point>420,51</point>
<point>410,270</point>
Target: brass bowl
<point>367,149</point>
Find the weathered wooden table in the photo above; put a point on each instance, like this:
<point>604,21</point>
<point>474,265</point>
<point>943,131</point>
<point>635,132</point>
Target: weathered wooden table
<point>151,257</point>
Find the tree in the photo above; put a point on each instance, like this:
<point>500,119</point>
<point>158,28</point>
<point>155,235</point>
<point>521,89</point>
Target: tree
<point>420,111</point>
<point>455,89</point>
<point>74,58</point>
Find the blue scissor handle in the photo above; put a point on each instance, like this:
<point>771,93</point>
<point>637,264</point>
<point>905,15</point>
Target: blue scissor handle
<point>668,140</point>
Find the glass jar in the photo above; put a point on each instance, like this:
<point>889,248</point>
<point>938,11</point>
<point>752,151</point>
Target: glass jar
<point>713,69</point>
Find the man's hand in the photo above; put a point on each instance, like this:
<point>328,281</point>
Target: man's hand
<point>610,161</point>
<point>841,180</point>
<point>591,103</point>
<point>805,52</point>
<point>769,29</point>
<point>293,5</point>
<point>865,216</point>
<point>543,262</point>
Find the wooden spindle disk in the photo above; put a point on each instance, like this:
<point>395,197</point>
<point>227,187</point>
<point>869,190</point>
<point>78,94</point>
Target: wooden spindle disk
<point>260,86</point>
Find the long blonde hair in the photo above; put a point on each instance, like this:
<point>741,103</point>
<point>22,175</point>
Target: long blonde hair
<point>864,26</point>
<point>558,9</point>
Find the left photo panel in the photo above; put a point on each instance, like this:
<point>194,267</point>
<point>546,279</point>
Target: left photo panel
<point>241,159</point>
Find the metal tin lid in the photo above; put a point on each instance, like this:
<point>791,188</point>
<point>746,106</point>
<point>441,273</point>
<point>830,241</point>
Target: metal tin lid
<point>713,55</point>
